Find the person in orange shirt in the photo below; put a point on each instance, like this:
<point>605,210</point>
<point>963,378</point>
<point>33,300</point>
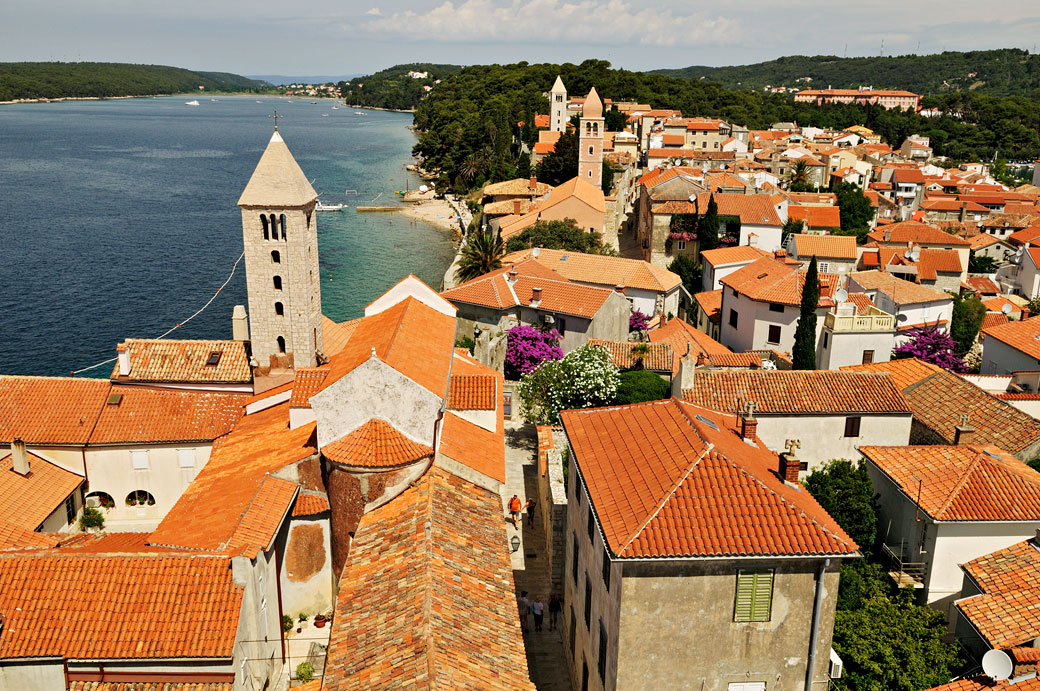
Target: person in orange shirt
<point>514,510</point>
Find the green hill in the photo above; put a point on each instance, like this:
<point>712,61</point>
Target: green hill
<point>393,87</point>
<point>25,80</point>
<point>1004,72</point>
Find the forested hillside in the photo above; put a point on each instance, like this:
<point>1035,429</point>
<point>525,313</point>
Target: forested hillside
<point>393,87</point>
<point>1005,72</point>
<point>468,122</point>
<point>22,80</point>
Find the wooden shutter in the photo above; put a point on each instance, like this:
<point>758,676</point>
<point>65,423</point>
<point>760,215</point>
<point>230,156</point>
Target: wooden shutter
<point>754,595</point>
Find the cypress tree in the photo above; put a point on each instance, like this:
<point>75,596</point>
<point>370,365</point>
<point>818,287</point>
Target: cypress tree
<point>804,353</point>
<point>708,227</point>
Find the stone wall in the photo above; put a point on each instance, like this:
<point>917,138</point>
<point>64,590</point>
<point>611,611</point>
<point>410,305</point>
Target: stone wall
<point>552,500</point>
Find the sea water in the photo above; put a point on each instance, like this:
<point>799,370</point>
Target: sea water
<point>118,218</point>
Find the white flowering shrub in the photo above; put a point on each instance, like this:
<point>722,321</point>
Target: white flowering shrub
<point>584,378</point>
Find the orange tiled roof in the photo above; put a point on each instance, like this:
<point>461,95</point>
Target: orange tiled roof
<point>797,392</point>
<point>997,305</point>
<point>518,187</point>
<point>962,483</point>
<point>658,357</point>
<point>160,360</point>
<point>599,269</point>
<point>984,683</point>
<point>825,246</point>
<point>914,232</point>
<point>1007,611</point>
<point>375,444</point>
<point>233,504</point>
<point>29,499</point>
<point>932,262</point>
<point>166,415</point>
<point>991,319</point>
<point>94,607</point>
<point>752,209</point>
<point>307,382</point>
<point>472,392</point>
<point>828,217</point>
<point>17,537</point>
<point>334,336</point>
<point>685,340</point>
<point>983,285</point>
<point>468,443</point>
<point>767,280</point>
<point>310,504</point>
<point>1022,335</point>
<point>645,489</point>
<point>733,255</point>
<point>901,292</point>
<point>904,371</point>
<point>161,686</point>
<point>711,302</point>
<point>419,566</point>
<point>50,410</point>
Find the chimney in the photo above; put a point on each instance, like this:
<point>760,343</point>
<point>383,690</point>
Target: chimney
<point>20,457</point>
<point>964,211</point>
<point>239,324</point>
<point>963,434</point>
<point>780,254</point>
<point>535,251</point>
<point>533,183</point>
<point>516,207</point>
<point>789,467</point>
<point>512,275</point>
<point>748,428</point>
<point>123,356</point>
<point>702,361</point>
<point>619,289</point>
<point>536,295</point>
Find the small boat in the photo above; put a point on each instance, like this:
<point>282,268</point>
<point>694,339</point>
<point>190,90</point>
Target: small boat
<point>259,101</point>
<point>324,115</point>
<point>358,112</point>
<point>213,100</point>
<point>314,103</point>
<point>327,207</point>
<point>192,103</point>
<point>335,107</point>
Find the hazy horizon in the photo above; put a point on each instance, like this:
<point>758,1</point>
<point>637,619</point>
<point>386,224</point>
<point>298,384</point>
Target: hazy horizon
<point>324,38</point>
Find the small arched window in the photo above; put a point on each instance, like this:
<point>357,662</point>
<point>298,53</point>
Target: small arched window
<point>277,282</point>
<point>281,222</point>
<point>276,257</point>
<point>274,227</point>
<point>263,222</point>
<point>281,344</point>
<point>140,497</point>
<point>104,500</point>
<point>590,150</point>
<point>278,309</point>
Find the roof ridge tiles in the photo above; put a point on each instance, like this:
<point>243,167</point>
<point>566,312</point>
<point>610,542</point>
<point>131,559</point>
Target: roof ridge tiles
<point>955,491</point>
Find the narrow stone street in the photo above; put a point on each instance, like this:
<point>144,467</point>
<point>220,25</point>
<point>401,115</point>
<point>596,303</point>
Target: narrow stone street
<point>545,656</point>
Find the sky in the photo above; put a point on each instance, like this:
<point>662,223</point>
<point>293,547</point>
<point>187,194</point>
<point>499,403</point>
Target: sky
<point>341,37</point>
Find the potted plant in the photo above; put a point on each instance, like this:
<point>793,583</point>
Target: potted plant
<point>320,620</point>
<point>286,623</point>
<point>304,672</point>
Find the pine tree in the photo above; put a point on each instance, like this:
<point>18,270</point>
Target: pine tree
<point>708,227</point>
<point>804,352</point>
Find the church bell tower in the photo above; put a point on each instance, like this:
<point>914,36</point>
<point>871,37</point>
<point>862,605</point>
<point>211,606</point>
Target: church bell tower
<point>558,106</point>
<point>590,141</point>
<point>280,237</point>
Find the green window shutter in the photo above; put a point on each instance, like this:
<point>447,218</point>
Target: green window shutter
<point>754,595</point>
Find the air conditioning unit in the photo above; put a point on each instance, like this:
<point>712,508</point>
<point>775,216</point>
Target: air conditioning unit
<point>94,502</point>
<point>835,667</point>
<point>548,319</point>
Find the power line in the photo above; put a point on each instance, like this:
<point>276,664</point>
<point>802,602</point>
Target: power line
<point>234,267</point>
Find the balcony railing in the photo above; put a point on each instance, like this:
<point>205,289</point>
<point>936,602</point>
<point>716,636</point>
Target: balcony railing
<point>903,572</point>
<point>874,320</point>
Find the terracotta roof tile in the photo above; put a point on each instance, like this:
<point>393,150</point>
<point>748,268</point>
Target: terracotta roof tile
<point>472,392</point>
<point>821,217</point>
<point>29,499</point>
<point>710,301</point>
<point>904,371</point>
<point>166,415</point>
<point>901,292</point>
<point>984,683</point>
<point>308,381</point>
<point>18,537</point>
<point>825,246</point>
<point>517,187</point>
<point>375,444</point>
<point>962,483</point>
<point>768,280</point>
<point>600,269</point>
<point>915,232</point>
<point>991,319</point>
<point>419,567</point>
<point>53,603</point>
<point>50,410</point>
<point>733,255</point>
<point>933,262</point>
<point>310,504</point>
<point>984,285</point>
<point>468,443</point>
<point>683,339</point>
<point>797,392</point>
<point>692,488</point>
<point>334,337</point>
<point>158,686</point>
<point>658,357</point>
<point>1007,612</point>
<point>752,209</point>
<point>160,360</point>
<point>1022,335</point>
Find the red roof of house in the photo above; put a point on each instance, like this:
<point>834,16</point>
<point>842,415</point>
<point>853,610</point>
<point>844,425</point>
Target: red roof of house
<point>824,217</point>
<point>658,357</point>
<point>644,490</point>
<point>1006,612</point>
<point>50,410</point>
<point>29,499</point>
<point>471,444</point>
<point>933,262</point>
<point>733,255</point>
<point>144,415</point>
<point>913,232</point>
<point>1022,335</point>
<point>825,246</point>
<point>904,371</point>
<point>983,285</point>
<point>685,340</point>
<point>375,444</point>
<point>984,683</point>
<point>472,392</point>
<point>161,360</point>
<point>767,280</point>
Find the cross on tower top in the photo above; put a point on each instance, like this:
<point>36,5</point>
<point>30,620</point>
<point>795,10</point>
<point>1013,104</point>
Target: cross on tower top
<point>964,419</point>
<point>749,408</point>
<point>792,444</point>
<point>276,118</point>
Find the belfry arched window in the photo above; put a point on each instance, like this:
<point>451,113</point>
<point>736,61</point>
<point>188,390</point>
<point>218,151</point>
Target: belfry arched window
<point>281,344</point>
<point>274,226</point>
<point>276,257</point>
<point>277,282</point>
<point>278,309</point>
<point>263,222</point>
<point>281,222</point>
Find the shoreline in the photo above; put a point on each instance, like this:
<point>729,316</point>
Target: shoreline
<point>208,94</point>
<point>385,110</point>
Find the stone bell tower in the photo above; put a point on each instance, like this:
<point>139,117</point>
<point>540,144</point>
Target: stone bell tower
<point>590,141</point>
<point>280,237</point>
<point>558,106</point>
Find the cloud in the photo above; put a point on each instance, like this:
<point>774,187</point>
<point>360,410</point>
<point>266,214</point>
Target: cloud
<point>586,22</point>
<point>374,12</point>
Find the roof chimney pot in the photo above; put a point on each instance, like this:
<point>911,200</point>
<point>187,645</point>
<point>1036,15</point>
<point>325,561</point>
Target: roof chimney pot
<point>536,295</point>
<point>20,457</point>
<point>533,183</point>
<point>963,434</point>
<point>123,356</point>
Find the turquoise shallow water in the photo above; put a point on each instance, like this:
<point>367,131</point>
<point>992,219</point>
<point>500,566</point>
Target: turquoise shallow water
<point>118,218</point>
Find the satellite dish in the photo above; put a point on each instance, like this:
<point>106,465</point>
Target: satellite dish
<point>996,664</point>
<point>908,254</point>
<point>693,197</point>
<point>915,256</point>
<point>1006,309</point>
<point>841,295</point>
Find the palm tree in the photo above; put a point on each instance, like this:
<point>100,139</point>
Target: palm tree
<point>482,254</point>
<point>798,173</point>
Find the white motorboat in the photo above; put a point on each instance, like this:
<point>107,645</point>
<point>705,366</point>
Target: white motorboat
<point>335,107</point>
<point>327,207</point>
<point>324,115</point>
<point>358,112</point>
<point>192,103</point>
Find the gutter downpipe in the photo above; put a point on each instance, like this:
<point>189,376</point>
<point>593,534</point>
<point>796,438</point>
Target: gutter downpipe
<point>815,631</point>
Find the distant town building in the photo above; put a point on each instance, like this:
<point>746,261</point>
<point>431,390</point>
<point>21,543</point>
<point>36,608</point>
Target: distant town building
<point>864,96</point>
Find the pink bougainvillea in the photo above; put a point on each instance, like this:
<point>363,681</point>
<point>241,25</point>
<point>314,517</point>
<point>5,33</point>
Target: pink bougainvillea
<point>527,347</point>
<point>934,346</point>
<point>637,321</point>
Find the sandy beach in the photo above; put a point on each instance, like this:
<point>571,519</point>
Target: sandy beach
<point>435,212</point>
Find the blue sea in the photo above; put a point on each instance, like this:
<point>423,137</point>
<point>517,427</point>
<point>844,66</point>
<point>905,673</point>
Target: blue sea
<point>118,218</point>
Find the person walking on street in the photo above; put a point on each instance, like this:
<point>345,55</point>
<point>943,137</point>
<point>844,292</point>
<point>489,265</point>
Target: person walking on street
<point>538,609</point>
<point>530,512</point>
<point>514,510</point>
<point>555,607</point>
<point>524,606</point>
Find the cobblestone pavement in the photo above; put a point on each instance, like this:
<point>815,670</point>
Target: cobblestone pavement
<point>545,656</point>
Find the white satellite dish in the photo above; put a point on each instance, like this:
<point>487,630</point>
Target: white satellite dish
<point>915,255</point>
<point>841,295</point>
<point>1006,309</point>
<point>693,197</point>
<point>996,664</point>
<point>908,254</point>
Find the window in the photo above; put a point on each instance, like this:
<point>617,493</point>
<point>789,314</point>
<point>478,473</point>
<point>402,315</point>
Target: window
<point>733,318</point>
<point>852,426</point>
<point>70,508</point>
<point>591,526</point>
<point>774,334</point>
<point>186,458</point>
<point>746,686</point>
<point>754,595</point>
<point>601,663</point>
<point>140,497</point>
<point>274,227</point>
<point>584,675</point>
<point>823,267</point>
<point>277,282</point>
<point>574,558</point>
<point>776,307</point>
<point>279,310</point>
<point>574,626</point>
<point>590,153</point>
<point>139,460</point>
<point>588,603</point>
<point>281,222</point>
<point>281,344</point>
<point>276,257</point>
<point>682,245</point>
<point>561,325</point>
<point>868,357</point>
<point>263,222</point>
<point>606,570</point>
<point>825,339</point>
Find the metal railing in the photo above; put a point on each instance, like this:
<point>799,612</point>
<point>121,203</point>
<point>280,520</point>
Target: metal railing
<point>902,571</point>
<point>873,320</point>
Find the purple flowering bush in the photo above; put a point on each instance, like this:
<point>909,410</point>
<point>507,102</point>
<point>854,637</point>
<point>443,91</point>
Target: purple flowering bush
<point>527,347</point>
<point>637,321</point>
<point>934,346</point>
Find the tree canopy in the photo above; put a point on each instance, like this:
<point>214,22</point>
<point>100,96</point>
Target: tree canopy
<point>394,87</point>
<point>481,254</point>
<point>559,235</point>
<point>689,271</point>
<point>804,351</point>
<point>637,386</point>
<point>844,490</point>
<point>968,313</point>
<point>584,378</point>
<point>931,345</point>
